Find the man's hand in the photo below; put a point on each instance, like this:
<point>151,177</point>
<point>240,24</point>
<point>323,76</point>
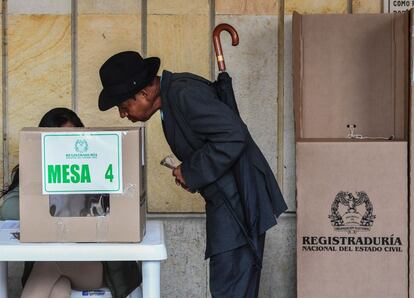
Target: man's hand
<point>179,179</point>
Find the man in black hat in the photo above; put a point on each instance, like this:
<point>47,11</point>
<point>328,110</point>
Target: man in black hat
<point>208,138</point>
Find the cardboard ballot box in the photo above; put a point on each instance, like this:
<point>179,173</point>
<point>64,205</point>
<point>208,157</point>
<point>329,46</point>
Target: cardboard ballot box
<point>351,94</point>
<point>82,184</point>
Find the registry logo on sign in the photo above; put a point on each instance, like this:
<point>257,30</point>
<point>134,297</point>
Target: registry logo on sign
<point>352,213</point>
<point>81,146</point>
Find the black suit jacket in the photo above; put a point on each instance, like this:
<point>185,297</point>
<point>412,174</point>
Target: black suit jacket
<point>207,166</point>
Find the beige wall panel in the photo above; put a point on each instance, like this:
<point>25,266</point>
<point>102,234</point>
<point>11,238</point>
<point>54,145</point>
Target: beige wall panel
<point>99,37</point>
<point>366,6</point>
<point>39,71</point>
<point>164,195</point>
<point>109,6</point>
<point>247,7</point>
<point>39,7</point>
<point>175,7</point>
<point>182,46</point>
<point>316,6</point>
<point>1,113</point>
<point>182,43</point>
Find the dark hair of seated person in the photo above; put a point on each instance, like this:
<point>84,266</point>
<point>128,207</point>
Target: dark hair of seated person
<point>56,117</point>
<point>59,117</point>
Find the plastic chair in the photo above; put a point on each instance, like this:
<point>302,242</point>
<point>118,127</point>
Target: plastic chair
<point>104,293</point>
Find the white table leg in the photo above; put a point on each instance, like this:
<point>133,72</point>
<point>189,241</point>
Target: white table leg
<point>151,279</point>
<point>3,279</point>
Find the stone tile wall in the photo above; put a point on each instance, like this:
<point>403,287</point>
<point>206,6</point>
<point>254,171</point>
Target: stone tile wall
<point>46,62</point>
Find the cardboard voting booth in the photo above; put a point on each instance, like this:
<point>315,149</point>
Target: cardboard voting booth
<point>82,184</point>
<point>351,94</point>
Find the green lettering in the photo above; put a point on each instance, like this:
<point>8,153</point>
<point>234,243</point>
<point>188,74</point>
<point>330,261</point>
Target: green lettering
<point>65,174</point>
<point>85,175</point>
<point>109,175</point>
<point>53,174</point>
<point>74,170</point>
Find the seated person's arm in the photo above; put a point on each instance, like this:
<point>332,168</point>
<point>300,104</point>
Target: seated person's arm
<point>9,205</point>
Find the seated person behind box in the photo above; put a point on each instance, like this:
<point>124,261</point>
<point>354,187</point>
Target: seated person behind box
<point>56,279</point>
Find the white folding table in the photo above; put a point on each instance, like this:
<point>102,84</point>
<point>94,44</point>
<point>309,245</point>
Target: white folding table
<point>151,251</point>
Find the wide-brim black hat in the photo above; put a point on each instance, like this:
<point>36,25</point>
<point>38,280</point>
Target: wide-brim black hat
<point>123,75</point>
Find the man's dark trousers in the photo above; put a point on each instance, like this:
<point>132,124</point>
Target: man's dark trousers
<point>234,274</point>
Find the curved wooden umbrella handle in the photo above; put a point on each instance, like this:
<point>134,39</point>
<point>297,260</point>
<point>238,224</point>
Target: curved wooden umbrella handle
<point>217,42</point>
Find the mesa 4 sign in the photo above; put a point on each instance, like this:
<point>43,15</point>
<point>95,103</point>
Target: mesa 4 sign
<point>82,162</point>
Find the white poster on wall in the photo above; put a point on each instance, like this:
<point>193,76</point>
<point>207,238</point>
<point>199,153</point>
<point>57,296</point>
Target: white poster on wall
<point>395,6</point>
<point>82,162</point>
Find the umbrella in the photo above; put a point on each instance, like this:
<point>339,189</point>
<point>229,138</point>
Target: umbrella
<point>242,169</point>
